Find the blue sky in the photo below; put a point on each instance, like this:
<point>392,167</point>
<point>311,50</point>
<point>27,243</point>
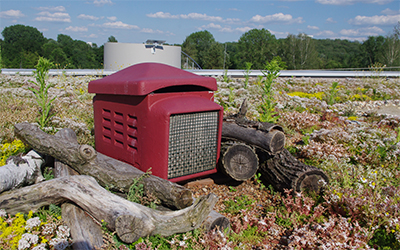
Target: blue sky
<point>136,21</point>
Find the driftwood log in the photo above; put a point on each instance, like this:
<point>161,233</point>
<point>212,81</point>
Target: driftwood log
<point>129,220</point>
<point>114,174</point>
<point>86,233</point>
<point>21,171</point>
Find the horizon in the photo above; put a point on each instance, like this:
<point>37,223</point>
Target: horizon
<point>95,21</point>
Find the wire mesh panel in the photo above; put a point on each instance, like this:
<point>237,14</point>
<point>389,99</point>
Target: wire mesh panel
<point>193,142</point>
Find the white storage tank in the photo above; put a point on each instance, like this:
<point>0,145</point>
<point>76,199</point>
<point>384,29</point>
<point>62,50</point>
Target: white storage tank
<point>118,56</point>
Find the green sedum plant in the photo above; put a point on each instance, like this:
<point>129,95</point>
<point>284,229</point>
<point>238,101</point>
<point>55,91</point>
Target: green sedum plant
<point>42,93</point>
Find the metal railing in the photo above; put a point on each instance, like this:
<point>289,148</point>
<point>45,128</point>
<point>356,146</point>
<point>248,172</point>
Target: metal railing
<point>233,73</point>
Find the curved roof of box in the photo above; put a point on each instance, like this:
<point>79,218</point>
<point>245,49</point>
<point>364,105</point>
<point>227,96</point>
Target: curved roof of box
<point>145,78</point>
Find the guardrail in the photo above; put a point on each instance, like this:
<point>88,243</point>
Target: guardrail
<point>234,73</point>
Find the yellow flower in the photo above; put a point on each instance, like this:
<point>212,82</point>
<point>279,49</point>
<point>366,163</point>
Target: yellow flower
<point>44,240</point>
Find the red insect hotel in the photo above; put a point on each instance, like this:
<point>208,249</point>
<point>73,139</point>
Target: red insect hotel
<point>156,116</point>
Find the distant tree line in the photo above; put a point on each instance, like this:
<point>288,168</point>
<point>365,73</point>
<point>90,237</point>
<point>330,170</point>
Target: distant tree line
<point>22,46</point>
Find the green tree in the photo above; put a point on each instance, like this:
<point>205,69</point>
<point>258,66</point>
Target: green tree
<point>22,46</point>
<point>66,43</point>
<point>199,45</point>
<point>256,46</point>
<point>112,39</point>
<point>300,52</point>
<point>339,53</point>
<point>214,57</point>
<point>373,50</point>
<point>76,53</point>
<point>99,55</point>
<point>307,53</point>
<point>391,47</point>
<point>289,51</point>
<point>232,58</point>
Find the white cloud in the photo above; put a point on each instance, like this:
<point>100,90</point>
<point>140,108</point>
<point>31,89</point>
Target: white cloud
<point>224,29</point>
<point>278,17</point>
<point>46,16</point>
<point>102,2</point>
<point>11,14</point>
<point>330,20</point>
<point>279,34</point>
<point>77,29</point>
<point>212,26</point>
<point>161,14</point>
<point>88,17</point>
<point>151,31</point>
<point>326,33</point>
<point>195,16</point>
<point>119,25</point>
<point>350,2</point>
<point>243,29</point>
<point>370,31</point>
<point>375,20</point>
<point>390,12</point>
<point>312,27</point>
<point>52,9</point>
<point>112,18</point>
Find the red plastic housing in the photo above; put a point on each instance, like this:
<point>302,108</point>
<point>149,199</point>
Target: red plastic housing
<point>156,116</point>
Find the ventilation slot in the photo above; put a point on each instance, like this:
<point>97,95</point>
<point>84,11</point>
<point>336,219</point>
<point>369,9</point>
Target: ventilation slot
<point>193,140</point>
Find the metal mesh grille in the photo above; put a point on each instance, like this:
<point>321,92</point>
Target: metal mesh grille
<point>193,142</point>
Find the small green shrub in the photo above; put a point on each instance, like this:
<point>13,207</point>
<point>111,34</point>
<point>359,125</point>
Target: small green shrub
<point>268,103</point>
<point>42,94</point>
<point>247,72</point>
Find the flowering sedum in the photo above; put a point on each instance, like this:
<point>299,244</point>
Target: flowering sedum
<point>28,232</point>
<point>8,149</point>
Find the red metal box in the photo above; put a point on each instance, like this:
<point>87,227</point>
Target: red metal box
<point>152,115</point>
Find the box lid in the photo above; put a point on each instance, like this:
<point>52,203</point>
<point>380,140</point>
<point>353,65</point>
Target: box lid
<point>144,78</point>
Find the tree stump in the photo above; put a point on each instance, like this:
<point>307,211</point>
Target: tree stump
<point>284,171</point>
<point>238,161</point>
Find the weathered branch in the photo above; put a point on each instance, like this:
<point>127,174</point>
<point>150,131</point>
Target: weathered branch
<point>85,232</point>
<point>130,220</point>
<point>109,172</point>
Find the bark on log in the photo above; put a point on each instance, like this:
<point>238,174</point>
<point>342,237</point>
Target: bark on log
<point>109,172</point>
<point>85,232</point>
<point>284,171</point>
<point>216,220</point>
<point>272,141</point>
<point>238,161</point>
<point>130,220</point>
<point>21,171</point>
